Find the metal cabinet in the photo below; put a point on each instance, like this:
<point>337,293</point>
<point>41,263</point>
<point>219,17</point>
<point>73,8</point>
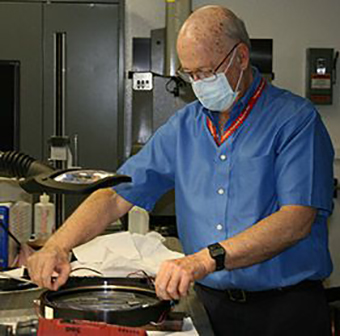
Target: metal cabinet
<point>91,42</point>
<point>93,99</point>
<point>92,93</point>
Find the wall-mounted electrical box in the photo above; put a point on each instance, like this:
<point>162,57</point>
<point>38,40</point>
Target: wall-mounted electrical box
<point>320,76</point>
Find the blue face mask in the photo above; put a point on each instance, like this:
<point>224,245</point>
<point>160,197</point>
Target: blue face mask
<point>215,93</point>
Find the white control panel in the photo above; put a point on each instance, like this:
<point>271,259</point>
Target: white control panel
<point>142,81</point>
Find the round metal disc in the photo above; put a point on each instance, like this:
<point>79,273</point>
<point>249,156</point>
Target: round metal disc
<point>121,301</point>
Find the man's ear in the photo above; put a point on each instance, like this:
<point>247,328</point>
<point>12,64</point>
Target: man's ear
<point>243,56</point>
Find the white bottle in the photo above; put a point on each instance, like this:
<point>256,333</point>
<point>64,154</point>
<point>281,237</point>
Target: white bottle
<point>44,218</point>
<point>138,220</point>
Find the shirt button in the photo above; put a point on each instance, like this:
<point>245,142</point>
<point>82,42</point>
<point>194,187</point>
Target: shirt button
<point>219,227</point>
<point>223,157</point>
<point>220,191</point>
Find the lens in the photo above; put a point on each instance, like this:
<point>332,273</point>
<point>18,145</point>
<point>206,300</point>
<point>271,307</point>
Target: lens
<point>82,176</point>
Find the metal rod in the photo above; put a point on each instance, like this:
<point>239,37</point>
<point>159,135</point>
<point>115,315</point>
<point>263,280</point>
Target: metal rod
<point>59,122</point>
<point>60,74</point>
<point>75,151</point>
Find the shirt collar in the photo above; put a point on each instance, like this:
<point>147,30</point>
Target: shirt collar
<point>241,103</point>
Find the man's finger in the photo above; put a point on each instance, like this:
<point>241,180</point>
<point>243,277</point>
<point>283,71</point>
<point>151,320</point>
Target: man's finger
<point>162,280</point>
<point>173,283</point>
<point>46,274</point>
<point>64,272</point>
<point>183,286</point>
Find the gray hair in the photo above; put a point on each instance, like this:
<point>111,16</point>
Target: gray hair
<point>235,28</point>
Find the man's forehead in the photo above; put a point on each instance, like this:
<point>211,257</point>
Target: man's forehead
<point>194,55</point>
<point>203,42</point>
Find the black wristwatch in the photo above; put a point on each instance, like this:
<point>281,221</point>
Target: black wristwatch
<point>217,252</point>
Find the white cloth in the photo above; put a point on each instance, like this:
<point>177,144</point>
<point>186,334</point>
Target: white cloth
<point>120,254</point>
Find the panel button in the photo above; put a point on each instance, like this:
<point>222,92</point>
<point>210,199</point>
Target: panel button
<point>221,191</point>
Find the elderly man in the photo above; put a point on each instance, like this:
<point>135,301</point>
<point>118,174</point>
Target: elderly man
<point>251,165</point>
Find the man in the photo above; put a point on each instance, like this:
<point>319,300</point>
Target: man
<point>251,165</point>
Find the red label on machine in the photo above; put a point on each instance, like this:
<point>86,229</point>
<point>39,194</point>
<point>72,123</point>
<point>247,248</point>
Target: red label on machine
<point>57,327</point>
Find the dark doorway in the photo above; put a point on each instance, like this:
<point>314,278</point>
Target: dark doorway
<point>9,105</point>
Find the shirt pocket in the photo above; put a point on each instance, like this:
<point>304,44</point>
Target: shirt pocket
<point>253,185</point>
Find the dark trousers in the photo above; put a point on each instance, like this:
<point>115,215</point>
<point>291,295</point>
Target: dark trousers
<point>300,310</point>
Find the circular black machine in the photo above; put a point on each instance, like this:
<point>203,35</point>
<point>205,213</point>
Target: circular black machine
<point>121,301</point>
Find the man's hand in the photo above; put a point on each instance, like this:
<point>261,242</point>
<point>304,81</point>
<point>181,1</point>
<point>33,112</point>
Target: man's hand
<point>175,276</point>
<point>45,263</point>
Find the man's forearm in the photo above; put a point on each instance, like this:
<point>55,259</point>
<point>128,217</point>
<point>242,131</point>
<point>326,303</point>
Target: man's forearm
<point>262,241</point>
<point>269,237</point>
<point>90,219</point>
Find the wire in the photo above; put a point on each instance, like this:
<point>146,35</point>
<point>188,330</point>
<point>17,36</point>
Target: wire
<point>176,83</point>
<point>150,279</point>
<point>6,229</point>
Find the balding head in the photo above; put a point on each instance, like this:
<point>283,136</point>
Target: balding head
<point>214,26</point>
<point>213,39</point>
<point>210,30</point>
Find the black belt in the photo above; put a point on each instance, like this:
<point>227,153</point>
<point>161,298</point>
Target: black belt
<point>242,296</point>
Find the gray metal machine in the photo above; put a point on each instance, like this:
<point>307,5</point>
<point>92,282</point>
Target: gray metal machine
<point>69,57</point>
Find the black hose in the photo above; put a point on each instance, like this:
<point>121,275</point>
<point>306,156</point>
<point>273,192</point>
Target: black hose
<point>19,165</point>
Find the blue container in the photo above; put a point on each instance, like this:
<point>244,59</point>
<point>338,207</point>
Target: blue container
<point>4,218</point>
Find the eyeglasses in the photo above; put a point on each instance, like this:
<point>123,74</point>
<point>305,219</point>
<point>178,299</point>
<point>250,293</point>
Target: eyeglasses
<point>208,75</point>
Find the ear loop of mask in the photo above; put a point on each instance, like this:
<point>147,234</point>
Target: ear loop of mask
<point>241,76</point>
<point>239,82</point>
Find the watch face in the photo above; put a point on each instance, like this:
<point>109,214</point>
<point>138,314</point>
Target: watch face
<point>216,250</point>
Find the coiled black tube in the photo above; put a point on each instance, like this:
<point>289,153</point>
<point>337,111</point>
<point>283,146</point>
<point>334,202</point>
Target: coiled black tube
<point>16,164</point>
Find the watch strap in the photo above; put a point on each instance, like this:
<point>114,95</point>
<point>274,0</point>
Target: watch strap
<point>217,252</point>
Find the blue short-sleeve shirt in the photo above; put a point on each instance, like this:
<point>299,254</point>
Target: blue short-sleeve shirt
<point>280,155</point>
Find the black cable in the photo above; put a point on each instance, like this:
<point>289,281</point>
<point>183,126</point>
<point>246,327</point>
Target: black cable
<point>177,84</point>
<point>6,229</point>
